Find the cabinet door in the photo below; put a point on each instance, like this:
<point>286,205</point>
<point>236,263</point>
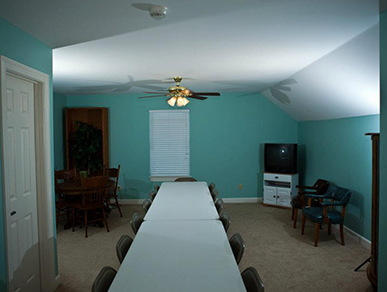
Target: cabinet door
<point>283,197</point>
<point>270,195</point>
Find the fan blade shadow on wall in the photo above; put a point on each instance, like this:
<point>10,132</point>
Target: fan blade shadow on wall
<point>123,87</point>
<point>277,91</point>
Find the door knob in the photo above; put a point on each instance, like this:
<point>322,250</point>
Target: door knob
<point>13,213</point>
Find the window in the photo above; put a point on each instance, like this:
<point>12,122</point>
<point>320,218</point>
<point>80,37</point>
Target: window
<point>169,144</point>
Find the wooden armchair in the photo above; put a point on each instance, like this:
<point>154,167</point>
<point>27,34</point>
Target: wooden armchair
<point>326,212</point>
<point>113,174</point>
<point>93,199</point>
<point>61,207</point>
<point>298,201</point>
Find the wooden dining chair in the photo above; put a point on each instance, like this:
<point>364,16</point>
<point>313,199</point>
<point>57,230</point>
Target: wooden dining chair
<point>211,187</point>
<point>123,246</point>
<point>226,221</point>
<point>185,179</point>
<point>219,205</point>
<point>237,246</point>
<point>113,174</point>
<point>61,208</point>
<point>252,280</point>
<point>104,280</point>
<point>136,222</point>
<point>93,197</point>
<point>156,187</point>
<point>146,205</point>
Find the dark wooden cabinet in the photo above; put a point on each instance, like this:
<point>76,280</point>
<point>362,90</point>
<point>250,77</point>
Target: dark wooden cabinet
<point>372,270</point>
<point>95,116</point>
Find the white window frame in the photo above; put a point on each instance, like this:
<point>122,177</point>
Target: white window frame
<point>167,178</point>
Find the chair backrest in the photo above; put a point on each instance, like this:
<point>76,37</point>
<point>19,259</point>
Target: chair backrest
<point>156,187</point>
<point>214,194</point>
<point>226,221</point>
<point>321,186</point>
<point>219,205</point>
<point>65,175</point>
<point>252,280</point>
<point>146,205</point>
<point>237,246</point>
<point>211,187</point>
<point>180,179</point>
<point>152,195</point>
<point>123,246</point>
<point>113,173</point>
<point>136,222</point>
<point>104,279</point>
<point>97,188</point>
<point>339,194</point>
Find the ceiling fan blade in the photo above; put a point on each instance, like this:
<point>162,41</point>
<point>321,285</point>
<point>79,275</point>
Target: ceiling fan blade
<point>152,96</point>
<point>154,92</point>
<point>207,93</point>
<point>198,97</point>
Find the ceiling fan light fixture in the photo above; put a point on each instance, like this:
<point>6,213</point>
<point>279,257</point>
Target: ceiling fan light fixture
<point>172,101</point>
<point>182,101</point>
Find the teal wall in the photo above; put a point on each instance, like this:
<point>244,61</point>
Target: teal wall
<point>338,151</point>
<point>227,134</point>
<point>21,47</point>
<point>382,280</point>
<point>59,104</point>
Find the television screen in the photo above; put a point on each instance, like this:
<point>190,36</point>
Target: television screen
<point>281,158</point>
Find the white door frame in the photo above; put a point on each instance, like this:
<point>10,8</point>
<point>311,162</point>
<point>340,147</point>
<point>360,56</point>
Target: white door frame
<point>49,281</point>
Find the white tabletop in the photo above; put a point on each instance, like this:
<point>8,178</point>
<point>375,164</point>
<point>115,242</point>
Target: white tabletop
<point>179,256</point>
<point>183,201</point>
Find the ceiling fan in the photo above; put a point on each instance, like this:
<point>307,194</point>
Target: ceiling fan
<point>179,94</point>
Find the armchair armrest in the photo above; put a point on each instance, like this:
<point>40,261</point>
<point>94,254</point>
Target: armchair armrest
<point>331,204</point>
<point>312,195</point>
<point>305,187</point>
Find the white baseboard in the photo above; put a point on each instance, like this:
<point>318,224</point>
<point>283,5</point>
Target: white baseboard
<point>242,200</point>
<point>356,236</point>
<point>225,200</point>
<point>131,201</point>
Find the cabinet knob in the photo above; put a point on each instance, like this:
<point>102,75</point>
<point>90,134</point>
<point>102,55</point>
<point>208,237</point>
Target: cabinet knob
<point>276,177</point>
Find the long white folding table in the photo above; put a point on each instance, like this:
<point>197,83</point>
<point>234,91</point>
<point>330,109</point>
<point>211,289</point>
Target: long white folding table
<point>179,256</point>
<point>182,201</point>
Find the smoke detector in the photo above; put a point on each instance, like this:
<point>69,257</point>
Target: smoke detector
<point>157,12</point>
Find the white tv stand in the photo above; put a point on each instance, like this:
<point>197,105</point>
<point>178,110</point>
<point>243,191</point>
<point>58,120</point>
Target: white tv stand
<point>278,189</point>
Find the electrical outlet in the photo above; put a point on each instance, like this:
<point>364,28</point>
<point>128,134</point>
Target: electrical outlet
<point>240,186</point>
<point>119,188</point>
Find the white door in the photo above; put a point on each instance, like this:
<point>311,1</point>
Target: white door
<point>283,197</point>
<point>20,186</point>
<point>269,195</point>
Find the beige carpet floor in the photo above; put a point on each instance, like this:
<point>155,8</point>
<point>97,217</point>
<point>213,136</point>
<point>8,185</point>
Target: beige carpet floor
<point>285,260</point>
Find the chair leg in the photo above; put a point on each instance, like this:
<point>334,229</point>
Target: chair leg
<point>303,224</point>
<point>342,234</point>
<point>104,220</point>
<point>86,224</point>
<point>329,228</point>
<point>73,219</point>
<point>292,213</point>
<point>57,217</point>
<point>316,233</point>
<point>295,215</point>
<point>118,205</point>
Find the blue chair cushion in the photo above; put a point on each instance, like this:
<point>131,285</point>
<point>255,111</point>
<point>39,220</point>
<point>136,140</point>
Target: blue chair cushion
<point>316,214</point>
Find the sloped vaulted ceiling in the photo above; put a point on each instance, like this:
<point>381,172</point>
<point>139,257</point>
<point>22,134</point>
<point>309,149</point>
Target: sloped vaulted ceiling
<point>324,52</point>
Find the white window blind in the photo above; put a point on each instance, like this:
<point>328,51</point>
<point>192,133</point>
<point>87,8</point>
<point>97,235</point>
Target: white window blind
<point>169,143</point>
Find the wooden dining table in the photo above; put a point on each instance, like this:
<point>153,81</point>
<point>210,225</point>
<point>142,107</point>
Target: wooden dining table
<point>72,191</point>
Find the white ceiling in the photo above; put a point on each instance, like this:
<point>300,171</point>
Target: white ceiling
<point>224,45</point>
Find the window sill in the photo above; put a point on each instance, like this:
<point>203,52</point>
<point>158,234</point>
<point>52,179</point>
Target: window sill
<point>164,178</point>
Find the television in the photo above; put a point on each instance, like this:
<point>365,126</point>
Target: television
<point>281,158</point>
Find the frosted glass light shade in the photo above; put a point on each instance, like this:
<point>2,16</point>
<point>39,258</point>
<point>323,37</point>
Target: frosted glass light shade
<point>182,101</point>
<point>172,101</point>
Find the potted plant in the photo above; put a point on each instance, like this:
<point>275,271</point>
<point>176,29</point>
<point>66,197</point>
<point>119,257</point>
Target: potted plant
<point>86,148</point>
